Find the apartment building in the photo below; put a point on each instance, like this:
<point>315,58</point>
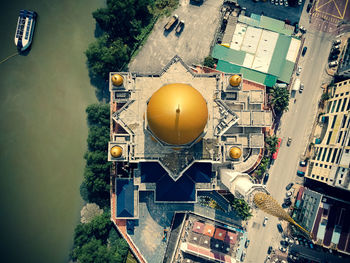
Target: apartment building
<point>330,163</point>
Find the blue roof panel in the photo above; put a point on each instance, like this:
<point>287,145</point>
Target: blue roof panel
<point>181,190</point>
<point>125,197</point>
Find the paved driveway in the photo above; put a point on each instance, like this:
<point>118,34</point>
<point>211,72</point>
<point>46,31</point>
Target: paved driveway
<point>192,45</point>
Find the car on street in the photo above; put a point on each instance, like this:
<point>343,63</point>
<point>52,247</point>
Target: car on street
<point>247,243</point>
<point>336,42</point>
<point>289,141</point>
<point>283,249</point>
<point>335,51</point>
<point>289,186</point>
<point>272,1</point>
<point>266,178</point>
<point>308,7</point>
<point>333,64</point>
<point>304,51</point>
<point>300,2</point>
<point>281,2</point>
<point>284,243</point>
<point>286,3</point>
<point>280,228</point>
<point>302,163</point>
<point>301,88</point>
<point>289,193</point>
<point>298,70</point>
<point>286,203</point>
<point>265,220</point>
<point>269,250</point>
<point>243,256</point>
<point>302,29</point>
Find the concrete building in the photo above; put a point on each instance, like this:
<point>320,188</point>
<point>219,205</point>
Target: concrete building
<point>171,134</point>
<point>327,218</point>
<point>259,47</point>
<point>344,65</point>
<point>330,163</point>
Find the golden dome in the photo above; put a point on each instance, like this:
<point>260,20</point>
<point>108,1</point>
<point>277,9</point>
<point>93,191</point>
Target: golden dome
<point>117,80</point>
<point>235,152</point>
<point>177,114</point>
<point>116,151</point>
<point>235,80</point>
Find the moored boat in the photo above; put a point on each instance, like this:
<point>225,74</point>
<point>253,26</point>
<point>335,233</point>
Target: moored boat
<point>25,29</point>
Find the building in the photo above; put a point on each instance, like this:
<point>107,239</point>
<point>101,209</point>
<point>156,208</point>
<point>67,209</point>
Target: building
<point>171,133</point>
<point>327,218</point>
<point>259,47</point>
<point>201,239</point>
<point>344,65</point>
<point>330,163</point>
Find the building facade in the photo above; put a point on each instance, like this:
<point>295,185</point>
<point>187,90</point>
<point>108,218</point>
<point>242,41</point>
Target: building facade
<point>344,65</point>
<point>330,163</point>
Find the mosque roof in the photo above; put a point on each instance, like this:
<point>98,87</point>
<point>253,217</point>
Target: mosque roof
<point>177,114</point>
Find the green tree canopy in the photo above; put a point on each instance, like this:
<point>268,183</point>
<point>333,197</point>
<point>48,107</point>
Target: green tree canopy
<point>271,142</point>
<point>98,114</point>
<point>280,99</point>
<point>209,61</point>
<point>107,55</point>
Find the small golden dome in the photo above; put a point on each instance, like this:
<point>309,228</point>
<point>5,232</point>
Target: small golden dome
<point>117,80</point>
<point>235,152</point>
<point>235,80</point>
<point>116,151</point>
<point>177,114</point>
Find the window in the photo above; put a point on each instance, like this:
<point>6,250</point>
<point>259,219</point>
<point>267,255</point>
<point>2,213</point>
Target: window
<point>322,178</point>
<point>313,176</point>
<point>319,153</point>
<point>344,121</point>
<point>347,150</point>
<point>316,164</point>
<point>326,166</point>
<point>337,95</point>
<point>326,179</point>
<point>333,122</point>
<point>344,103</point>
<point>334,155</point>
<point>317,177</point>
<point>339,181</point>
<point>329,138</point>
<point>329,154</point>
<point>321,165</point>
<point>340,135</point>
<point>338,106</point>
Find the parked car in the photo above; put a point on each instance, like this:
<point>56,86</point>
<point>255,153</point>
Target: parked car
<point>243,256</point>
<point>284,243</point>
<point>280,228</point>
<point>302,29</point>
<point>289,186</point>
<point>289,193</point>
<point>286,203</point>
<point>298,70</point>
<point>180,26</point>
<point>281,2</point>
<point>301,88</point>
<point>333,64</point>
<point>300,2</point>
<point>283,249</point>
<point>302,163</point>
<point>269,250</point>
<point>335,51</point>
<point>286,3</point>
<point>289,141</point>
<point>308,7</point>
<point>265,220</point>
<point>336,42</point>
<point>266,178</point>
<point>304,51</point>
<point>247,243</point>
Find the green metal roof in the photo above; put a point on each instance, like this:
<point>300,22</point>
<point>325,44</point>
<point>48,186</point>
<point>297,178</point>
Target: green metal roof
<point>228,54</point>
<point>286,71</point>
<point>249,74</point>
<point>279,55</point>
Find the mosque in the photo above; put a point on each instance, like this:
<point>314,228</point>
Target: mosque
<point>177,129</point>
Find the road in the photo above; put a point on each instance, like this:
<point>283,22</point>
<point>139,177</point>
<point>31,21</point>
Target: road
<point>297,124</point>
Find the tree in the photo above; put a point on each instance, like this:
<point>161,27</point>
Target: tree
<point>106,55</point>
<point>98,114</point>
<point>209,61</point>
<point>325,96</point>
<point>280,99</point>
<point>272,142</point>
<point>94,252</point>
<point>98,138</point>
<point>242,208</point>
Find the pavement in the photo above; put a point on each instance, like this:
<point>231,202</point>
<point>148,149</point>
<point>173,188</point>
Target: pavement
<point>281,12</point>
<point>297,124</point>
<point>192,45</point>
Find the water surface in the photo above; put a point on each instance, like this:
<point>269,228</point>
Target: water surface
<point>43,130</point>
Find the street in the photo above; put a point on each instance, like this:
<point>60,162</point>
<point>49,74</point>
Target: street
<point>297,124</point>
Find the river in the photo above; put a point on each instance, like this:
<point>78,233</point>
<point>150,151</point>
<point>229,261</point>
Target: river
<point>43,129</point>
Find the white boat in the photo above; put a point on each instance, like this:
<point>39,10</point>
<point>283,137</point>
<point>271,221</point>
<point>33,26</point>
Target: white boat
<point>25,29</point>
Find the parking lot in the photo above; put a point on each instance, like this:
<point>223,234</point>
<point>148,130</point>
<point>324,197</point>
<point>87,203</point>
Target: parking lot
<point>192,45</point>
<point>280,12</point>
